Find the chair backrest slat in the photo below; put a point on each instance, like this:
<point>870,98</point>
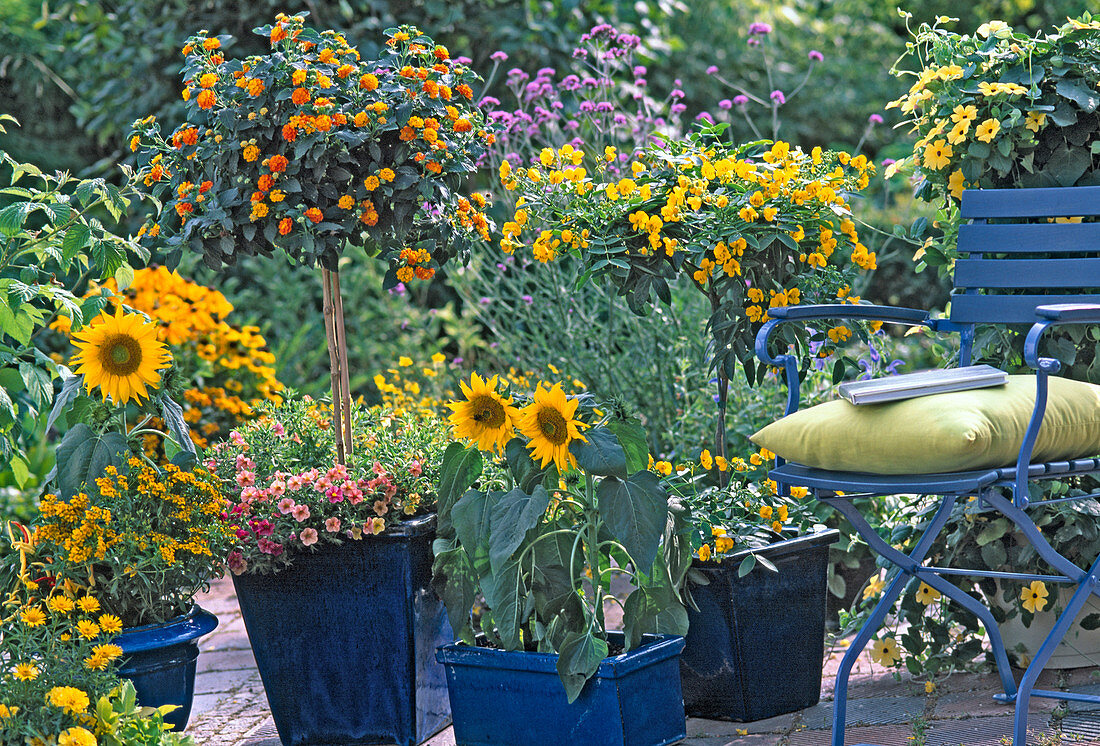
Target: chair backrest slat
<point>1007,309</point>
<point>1053,202</point>
<point>1015,238</point>
<point>1027,273</point>
<point>1023,249</point>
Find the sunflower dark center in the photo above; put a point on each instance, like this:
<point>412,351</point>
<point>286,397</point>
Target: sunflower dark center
<point>553,426</point>
<point>120,355</point>
<point>488,412</point>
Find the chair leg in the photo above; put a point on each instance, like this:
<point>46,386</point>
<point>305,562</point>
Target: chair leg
<point>840,689</point>
<point>1086,588</point>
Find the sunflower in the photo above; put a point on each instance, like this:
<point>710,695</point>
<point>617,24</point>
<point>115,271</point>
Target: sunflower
<point>120,354</point>
<point>550,427</point>
<point>485,417</point>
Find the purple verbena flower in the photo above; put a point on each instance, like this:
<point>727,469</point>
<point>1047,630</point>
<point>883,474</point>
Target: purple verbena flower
<point>639,71</point>
<point>676,94</point>
<point>725,104</point>
<point>740,99</point>
<point>815,56</point>
<point>489,101</point>
<point>778,97</point>
<point>528,299</point>
<point>604,107</point>
<point>498,56</point>
<point>759,29</point>
<point>678,108</point>
<point>875,119</point>
<point>712,70</point>
<point>704,116</point>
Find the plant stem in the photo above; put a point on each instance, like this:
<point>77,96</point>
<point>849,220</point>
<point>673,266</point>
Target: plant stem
<point>593,521</point>
<point>723,393</point>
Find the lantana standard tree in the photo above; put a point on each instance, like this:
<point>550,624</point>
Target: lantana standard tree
<point>310,149</point>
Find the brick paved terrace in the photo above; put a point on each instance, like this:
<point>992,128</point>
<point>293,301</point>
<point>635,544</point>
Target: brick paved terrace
<point>231,710</point>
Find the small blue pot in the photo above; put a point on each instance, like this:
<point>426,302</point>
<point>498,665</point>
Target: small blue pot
<point>160,661</point>
<point>344,641</point>
<point>502,698</point>
<point>747,630</point>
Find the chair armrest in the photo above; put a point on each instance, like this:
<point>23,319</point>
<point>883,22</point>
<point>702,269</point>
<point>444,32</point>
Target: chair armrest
<point>1055,315</point>
<point>1071,313</point>
<point>893,314</point>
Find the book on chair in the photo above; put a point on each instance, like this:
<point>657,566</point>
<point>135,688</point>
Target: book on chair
<point>921,383</point>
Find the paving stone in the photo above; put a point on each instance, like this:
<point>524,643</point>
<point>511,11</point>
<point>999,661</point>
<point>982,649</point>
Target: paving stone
<point>226,660</point>
<point>983,731</point>
<point>226,641</point>
<point>879,735</point>
<point>1085,706</point>
<point>758,739</point>
<point>870,711</point>
<point>980,703</point>
<point>222,681</point>
<point>699,727</point>
<point>204,703</point>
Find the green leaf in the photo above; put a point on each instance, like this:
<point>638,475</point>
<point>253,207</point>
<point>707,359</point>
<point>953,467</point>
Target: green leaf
<point>579,657</point>
<point>13,216</point>
<point>510,519</point>
<point>506,596</point>
<point>124,276</point>
<point>526,472</point>
<point>76,238</point>
<point>632,438</point>
<point>1080,92</point>
<point>470,517</point>
<point>177,426</point>
<point>460,469</point>
<point>16,323</point>
<point>1090,622</point>
<point>1068,164</point>
<point>992,531</point>
<point>635,511</point>
<point>20,471</point>
<point>601,454</point>
<point>652,611</point>
<point>82,456</point>
<point>747,565</point>
<point>453,580</point>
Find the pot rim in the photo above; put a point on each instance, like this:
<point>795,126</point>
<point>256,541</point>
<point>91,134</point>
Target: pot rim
<point>654,648</point>
<point>777,549</point>
<point>178,630</point>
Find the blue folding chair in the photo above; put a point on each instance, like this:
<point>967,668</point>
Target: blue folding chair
<point>1043,266</point>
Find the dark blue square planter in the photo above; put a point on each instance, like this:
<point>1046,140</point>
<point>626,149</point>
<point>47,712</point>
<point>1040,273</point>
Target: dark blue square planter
<point>501,698</point>
<point>344,641</point>
<point>755,647</point>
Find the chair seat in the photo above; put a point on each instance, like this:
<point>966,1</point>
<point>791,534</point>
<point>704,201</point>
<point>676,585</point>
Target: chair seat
<point>958,483</point>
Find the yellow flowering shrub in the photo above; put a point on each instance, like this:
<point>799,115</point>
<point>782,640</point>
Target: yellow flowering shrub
<point>228,369</point>
<point>146,539</point>
<point>999,108</point>
<point>754,227</point>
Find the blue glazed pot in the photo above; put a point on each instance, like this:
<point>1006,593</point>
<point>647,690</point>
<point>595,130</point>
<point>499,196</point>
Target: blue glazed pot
<point>344,638</point>
<point>502,698</point>
<point>160,661</point>
<point>749,629</point>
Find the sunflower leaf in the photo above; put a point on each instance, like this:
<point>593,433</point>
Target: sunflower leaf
<point>600,454</point>
<point>83,454</point>
<point>635,511</point>
<point>70,389</point>
<point>177,426</point>
<point>510,519</point>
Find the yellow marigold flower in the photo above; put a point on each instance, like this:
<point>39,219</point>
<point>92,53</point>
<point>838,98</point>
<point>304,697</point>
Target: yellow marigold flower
<point>68,698</point>
<point>663,467</point>
<point>76,736</point>
<point>987,130</point>
<point>438,357</point>
<point>404,362</point>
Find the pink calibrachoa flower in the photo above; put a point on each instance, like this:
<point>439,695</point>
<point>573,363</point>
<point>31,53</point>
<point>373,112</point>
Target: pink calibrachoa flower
<point>300,513</point>
<point>251,493</point>
<point>295,482</point>
<point>244,462</point>
<point>308,536</point>
<point>378,469</point>
<point>376,525</point>
<point>332,525</point>
<point>277,488</point>
<point>236,561</point>
<point>267,546</point>
<point>286,505</point>
<point>380,507</point>
<point>245,478</point>
<point>416,468</point>
<point>237,439</point>
<point>278,429</point>
<point>263,527</point>
<point>242,533</point>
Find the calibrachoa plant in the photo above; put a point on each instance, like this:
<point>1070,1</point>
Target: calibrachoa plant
<point>227,369</point>
<point>288,495</point>
<point>309,147</point>
<point>998,108</point>
<point>147,539</point>
<point>57,679</point>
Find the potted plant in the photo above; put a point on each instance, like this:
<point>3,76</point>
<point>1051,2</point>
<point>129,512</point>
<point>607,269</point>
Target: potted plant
<point>540,539</point>
<point>332,566</point>
<point>758,596</point>
<point>57,664</point>
<point>310,148</point>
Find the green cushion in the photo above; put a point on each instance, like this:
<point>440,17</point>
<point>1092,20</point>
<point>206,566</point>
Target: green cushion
<point>959,431</point>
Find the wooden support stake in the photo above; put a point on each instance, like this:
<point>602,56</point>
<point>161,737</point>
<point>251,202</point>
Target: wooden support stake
<point>345,374</point>
<point>334,364</point>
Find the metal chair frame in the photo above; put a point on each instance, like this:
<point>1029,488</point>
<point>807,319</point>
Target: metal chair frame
<point>994,256</point>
